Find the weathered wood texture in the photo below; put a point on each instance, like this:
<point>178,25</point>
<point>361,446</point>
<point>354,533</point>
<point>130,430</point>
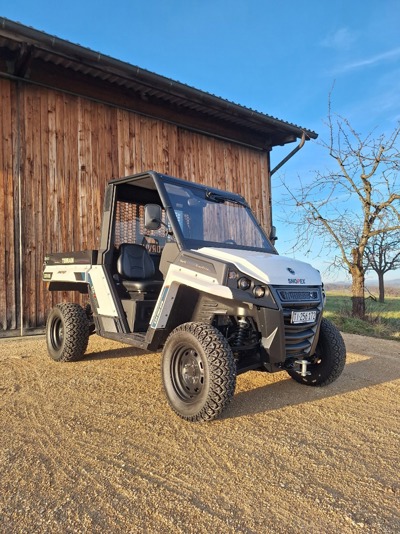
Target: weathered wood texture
<point>8,230</point>
<point>69,148</point>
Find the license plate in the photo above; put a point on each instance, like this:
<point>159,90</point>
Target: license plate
<point>299,317</point>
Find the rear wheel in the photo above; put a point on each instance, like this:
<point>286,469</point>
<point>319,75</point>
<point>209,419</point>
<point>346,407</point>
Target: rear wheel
<point>67,332</point>
<point>329,358</point>
<point>198,371</point>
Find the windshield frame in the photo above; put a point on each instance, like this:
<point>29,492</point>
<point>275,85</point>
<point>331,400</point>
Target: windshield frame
<point>212,195</point>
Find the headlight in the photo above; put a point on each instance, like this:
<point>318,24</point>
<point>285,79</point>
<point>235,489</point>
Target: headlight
<point>233,275</point>
<point>244,283</point>
<point>258,292</point>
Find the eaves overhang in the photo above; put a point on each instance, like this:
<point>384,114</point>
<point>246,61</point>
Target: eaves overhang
<point>28,54</point>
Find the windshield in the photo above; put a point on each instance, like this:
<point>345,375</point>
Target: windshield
<point>212,219</point>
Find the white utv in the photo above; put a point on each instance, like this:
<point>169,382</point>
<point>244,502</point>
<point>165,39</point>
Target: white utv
<point>186,268</point>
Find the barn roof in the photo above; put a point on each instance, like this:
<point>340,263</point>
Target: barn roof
<point>36,57</point>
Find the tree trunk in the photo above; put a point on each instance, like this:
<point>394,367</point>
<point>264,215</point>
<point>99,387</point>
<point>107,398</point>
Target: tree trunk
<point>357,287</point>
<point>381,287</point>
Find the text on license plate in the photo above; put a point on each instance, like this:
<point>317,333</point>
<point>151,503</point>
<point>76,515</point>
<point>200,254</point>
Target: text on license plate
<point>303,317</point>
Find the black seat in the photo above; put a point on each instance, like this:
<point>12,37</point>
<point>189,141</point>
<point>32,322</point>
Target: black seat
<point>136,269</point>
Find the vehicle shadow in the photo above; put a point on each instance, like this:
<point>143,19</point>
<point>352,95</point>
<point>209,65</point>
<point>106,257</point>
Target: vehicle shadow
<point>113,353</point>
<point>359,373</point>
<point>278,390</point>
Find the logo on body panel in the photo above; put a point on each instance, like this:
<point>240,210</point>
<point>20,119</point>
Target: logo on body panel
<point>157,312</point>
<point>295,280</point>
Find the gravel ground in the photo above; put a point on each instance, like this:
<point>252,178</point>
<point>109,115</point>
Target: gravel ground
<point>93,447</point>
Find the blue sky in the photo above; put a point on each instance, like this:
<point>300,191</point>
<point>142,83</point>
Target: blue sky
<point>280,58</point>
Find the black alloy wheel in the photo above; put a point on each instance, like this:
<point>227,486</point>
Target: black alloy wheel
<point>198,371</point>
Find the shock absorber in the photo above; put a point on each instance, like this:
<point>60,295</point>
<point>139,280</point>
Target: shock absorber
<point>241,332</point>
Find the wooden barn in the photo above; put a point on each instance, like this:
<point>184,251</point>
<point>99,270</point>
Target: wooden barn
<point>71,119</point>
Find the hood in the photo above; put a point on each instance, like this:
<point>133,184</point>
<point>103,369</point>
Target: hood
<point>268,268</point>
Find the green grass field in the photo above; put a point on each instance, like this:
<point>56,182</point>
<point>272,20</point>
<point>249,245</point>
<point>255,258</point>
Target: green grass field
<point>383,320</point>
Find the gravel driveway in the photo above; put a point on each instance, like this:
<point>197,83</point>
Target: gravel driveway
<point>93,447</point>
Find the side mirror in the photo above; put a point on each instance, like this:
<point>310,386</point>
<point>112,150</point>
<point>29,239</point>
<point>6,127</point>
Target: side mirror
<point>152,216</point>
<point>272,235</point>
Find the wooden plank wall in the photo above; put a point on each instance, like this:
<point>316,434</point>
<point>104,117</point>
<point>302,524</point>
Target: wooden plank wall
<point>8,175</point>
<point>70,148</point>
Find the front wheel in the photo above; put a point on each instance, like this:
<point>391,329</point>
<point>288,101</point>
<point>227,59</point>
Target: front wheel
<point>198,371</point>
<point>329,358</point>
<point>67,332</point>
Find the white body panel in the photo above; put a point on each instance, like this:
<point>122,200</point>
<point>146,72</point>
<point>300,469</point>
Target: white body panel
<point>103,294</point>
<point>93,275</point>
<point>65,273</point>
<point>176,276</point>
<point>267,268</point>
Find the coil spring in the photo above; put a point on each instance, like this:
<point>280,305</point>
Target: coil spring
<point>240,334</point>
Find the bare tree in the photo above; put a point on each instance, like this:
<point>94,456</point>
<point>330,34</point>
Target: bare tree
<point>344,207</point>
<point>383,255</point>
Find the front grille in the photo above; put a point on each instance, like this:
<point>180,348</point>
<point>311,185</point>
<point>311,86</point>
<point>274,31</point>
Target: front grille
<point>299,337</point>
<point>289,295</point>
